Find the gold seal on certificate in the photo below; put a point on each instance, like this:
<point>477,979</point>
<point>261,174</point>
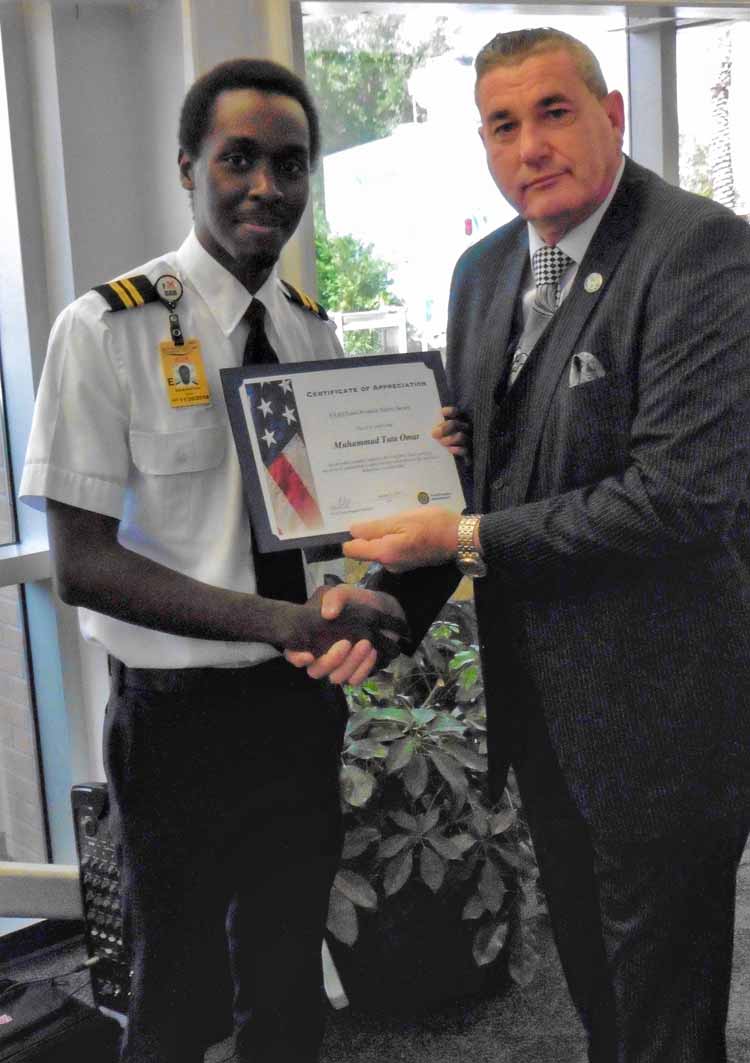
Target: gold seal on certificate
<point>324,444</point>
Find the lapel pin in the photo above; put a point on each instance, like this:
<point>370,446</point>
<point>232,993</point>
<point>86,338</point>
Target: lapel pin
<point>593,283</point>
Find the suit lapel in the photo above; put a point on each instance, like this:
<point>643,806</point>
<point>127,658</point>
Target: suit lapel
<point>557,346</point>
<point>494,342</point>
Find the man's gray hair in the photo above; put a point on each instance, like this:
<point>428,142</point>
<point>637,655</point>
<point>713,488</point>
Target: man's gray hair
<point>510,49</point>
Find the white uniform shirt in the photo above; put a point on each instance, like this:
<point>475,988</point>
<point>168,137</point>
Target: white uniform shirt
<point>106,438</point>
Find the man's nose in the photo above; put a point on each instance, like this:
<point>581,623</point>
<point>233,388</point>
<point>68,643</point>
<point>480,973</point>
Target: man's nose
<point>263,181</point>
<point>532,144</point>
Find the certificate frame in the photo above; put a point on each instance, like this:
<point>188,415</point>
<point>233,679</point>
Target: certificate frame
<point>327,543</point>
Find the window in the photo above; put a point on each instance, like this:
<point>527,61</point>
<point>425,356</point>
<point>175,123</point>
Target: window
<point>713,85</point>
<point>403,187</point>
<point>22,823</point>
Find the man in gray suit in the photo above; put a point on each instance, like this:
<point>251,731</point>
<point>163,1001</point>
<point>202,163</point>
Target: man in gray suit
<point>608,393</point>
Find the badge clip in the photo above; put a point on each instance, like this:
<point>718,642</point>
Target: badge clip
<point>169,289</point>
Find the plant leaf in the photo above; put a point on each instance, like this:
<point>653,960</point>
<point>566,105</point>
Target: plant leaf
<point>397,872</point>
<point>392,845</point>
<point>399,755</point>
<point>480,821</point>
<point>374,687</point>
<point>522,963</point>
<point>463,658</point>
<point>444,846</point>
<point>474,907</point>
<point>416,774</point>
<point>392,712</point>
<point>452,772</point>
<point>491,887</point>
<point>432,869</point>
<point>466,756</point>
<point>469,678</point>
<point>342,918</point>
<point>488,941</point>
<point>423,716</point>
<point>366,749</point>
<point>404,820</point>
<point>356,888</point>
<point>357,785</point>
<point>463,841</point>
<point>445,723</point>
<point>509,856</point>
<point>357,840</point>
<point>429,819</point>
<point>502,821</point>
<point>359,722</point>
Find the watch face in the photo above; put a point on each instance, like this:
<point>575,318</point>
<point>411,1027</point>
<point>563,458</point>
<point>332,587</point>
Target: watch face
<point>472,566</point>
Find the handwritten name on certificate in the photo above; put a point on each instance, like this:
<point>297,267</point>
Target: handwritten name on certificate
<point>343,442</point>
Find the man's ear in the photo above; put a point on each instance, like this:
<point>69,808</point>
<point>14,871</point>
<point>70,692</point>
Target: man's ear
<point>185,164</point>
<point>614,106</point>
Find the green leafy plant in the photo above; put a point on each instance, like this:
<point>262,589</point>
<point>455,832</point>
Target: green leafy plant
<point>351,277</point>
<point>417,805</point>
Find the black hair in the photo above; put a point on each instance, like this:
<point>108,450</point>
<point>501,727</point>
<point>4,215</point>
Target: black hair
<point>261,74</point>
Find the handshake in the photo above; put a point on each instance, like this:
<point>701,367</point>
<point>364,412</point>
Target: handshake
<point>348,632</point>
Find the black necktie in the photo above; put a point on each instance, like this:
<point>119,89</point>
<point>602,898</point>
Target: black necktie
<point>280,574</point>
<point>258,350</point>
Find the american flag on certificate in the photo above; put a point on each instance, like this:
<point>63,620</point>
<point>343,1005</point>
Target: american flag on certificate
<point>282,446</point>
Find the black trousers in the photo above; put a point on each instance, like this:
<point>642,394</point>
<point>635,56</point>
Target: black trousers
<point>224,784</point>
<point>644,930</point>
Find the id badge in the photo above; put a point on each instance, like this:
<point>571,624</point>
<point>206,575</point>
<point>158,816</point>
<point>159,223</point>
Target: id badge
<point>184,374</point>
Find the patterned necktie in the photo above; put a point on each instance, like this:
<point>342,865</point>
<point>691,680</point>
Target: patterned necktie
<point>280,574</point>
<point>547,264</point>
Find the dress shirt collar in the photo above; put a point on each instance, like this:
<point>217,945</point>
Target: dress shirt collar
<point>226,299</point>
<point>575,243</point>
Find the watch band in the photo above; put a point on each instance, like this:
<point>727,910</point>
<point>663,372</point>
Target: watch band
<point>468,558</point>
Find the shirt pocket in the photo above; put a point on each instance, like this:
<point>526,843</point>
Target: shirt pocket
<point>172,473</point>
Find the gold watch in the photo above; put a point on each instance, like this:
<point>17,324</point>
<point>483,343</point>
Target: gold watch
<point>470,562</point>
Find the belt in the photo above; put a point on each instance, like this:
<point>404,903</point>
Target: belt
<point>192,680</point>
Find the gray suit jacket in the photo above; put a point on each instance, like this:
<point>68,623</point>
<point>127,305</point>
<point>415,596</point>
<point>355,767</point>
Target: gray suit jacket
<point>618,599</point>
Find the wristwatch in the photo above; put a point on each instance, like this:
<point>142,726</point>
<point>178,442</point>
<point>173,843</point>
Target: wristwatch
<point>470,562</point>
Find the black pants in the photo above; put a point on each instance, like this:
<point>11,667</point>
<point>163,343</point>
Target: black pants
<point>225,790</point>
<point>644,930</point>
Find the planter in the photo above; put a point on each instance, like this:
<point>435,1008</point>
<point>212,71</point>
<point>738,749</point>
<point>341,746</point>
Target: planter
<point>413,955</point>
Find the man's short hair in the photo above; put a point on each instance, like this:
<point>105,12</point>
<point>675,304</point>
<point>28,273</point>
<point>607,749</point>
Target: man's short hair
<point>510,49</point>
<point>261,74</point>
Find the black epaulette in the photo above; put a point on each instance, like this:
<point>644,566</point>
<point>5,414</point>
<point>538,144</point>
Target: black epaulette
<point>305,301</point>
<point>127,292</point>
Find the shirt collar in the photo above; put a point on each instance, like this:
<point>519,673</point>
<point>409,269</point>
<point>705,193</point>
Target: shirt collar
<point>226,298</point>
<point>575,243</point>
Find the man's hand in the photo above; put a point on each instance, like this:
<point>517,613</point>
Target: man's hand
<point>412,539</point>
<point>346,661</point>
<point>453,432</point>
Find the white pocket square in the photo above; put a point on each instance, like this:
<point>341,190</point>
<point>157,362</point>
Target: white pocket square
<point>585,367</point>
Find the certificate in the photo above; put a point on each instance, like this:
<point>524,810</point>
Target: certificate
<point>324,444</point>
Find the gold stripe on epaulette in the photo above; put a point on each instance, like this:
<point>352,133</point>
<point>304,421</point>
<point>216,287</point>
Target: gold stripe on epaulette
<point>122,292</point>
<point>125,293</point>
<point>132,291</point>
<point>302,299</point>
